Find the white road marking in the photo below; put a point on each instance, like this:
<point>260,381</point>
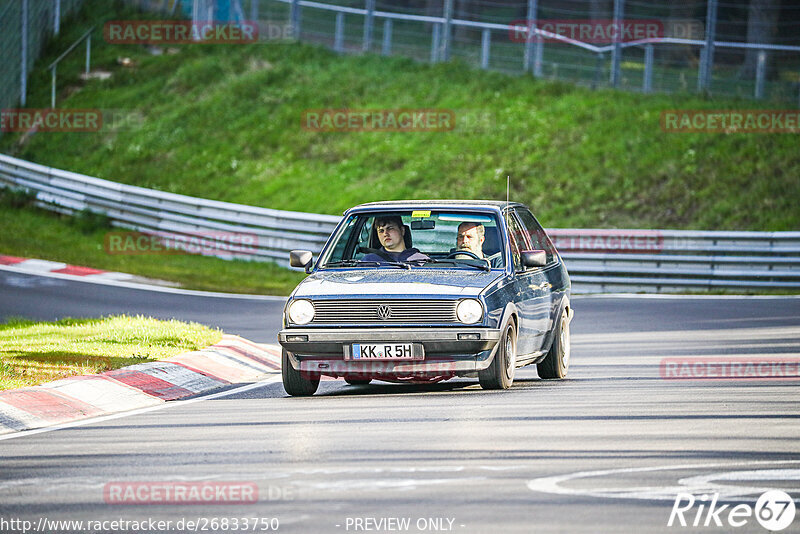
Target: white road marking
<point>144,287</point>
<point>695,485</point>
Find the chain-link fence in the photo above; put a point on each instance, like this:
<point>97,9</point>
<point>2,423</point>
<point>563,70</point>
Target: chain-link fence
<point>742,48</point>
<point>25,26</point>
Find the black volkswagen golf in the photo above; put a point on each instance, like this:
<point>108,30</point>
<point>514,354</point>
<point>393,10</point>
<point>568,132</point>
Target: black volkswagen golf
<point>423,291</point>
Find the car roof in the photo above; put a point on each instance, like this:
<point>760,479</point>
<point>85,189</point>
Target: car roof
<point>435,204</point>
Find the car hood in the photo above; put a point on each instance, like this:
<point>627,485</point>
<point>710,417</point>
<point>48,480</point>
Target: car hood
<point>396,282</point>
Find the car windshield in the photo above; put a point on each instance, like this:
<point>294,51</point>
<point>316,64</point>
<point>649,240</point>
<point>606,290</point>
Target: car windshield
<point>417,239</point>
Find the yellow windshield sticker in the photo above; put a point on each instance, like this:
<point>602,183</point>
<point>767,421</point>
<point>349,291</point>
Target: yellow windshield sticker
<point>423,214</point>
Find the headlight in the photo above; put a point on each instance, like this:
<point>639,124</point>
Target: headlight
<point>301,311</point>
<point>469,311</point>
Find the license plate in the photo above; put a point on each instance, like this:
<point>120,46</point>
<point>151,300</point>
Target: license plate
<point>382,351</point>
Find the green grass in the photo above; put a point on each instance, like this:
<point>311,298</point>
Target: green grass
<point>223,122</point>
<point>32,233</point>
<point>35,352</point>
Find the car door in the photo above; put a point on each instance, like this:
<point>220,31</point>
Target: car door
<point>532,293</point>
<point>551,271</point>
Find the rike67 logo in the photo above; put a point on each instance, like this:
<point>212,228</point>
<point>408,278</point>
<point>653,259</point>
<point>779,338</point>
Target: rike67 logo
<point>774,510</point>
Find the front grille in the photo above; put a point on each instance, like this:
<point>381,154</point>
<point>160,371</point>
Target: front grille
<point>385,311</point>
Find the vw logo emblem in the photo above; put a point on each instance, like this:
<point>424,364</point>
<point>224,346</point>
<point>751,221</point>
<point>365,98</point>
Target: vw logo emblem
<point>384,312</point>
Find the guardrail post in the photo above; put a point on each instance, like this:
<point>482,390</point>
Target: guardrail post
<point>616,51</point>
<point>368,19</point>
<point>448,23</point>
<point>23,76</point>
<point>486,41</point>
<point>707,53</point>
<point>435,38</point>
<point>295,18</point>
<point>88,52</point>
<point>338,36</point>
<point>57,18</point>
<point>386,49</point>
<point>761,68</point>
<point>648,69</point>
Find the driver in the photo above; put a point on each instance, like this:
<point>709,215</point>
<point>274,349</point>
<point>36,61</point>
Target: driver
<point>471,236</point>
<point>391,233</point>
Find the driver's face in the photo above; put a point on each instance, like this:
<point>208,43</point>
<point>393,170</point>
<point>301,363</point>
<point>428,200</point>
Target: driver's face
<point>391,237</point>
<point>470,239</point>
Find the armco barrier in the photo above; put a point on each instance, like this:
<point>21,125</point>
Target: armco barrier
<point>598,260</point>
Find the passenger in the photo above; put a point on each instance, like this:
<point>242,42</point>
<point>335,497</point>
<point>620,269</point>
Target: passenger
<point>471,236</point>
<point>391,233</point>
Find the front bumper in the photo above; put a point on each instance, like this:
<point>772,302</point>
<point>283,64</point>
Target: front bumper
<point>322,350</point>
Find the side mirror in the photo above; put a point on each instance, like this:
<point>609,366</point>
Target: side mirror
<point>534,258</point>
<point>301,258</point>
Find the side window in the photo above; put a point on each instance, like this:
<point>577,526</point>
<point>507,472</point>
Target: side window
<point>518,241</point>
<point>536,234</point>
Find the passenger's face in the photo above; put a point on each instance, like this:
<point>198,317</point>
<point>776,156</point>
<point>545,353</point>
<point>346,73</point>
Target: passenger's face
<point>391,237</point>
<point>469,238</point>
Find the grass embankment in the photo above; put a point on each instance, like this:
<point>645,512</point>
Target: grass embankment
<point>35,352</point>
<point>224,122</point>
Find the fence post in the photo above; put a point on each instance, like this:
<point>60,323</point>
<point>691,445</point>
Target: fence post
<point>52,88</point>
<point>486,40</point>
<point>368,19</point>
<point>57,18</point>
<point>761,67</point>
<point>648,68</point>
<point>386,49</point>
<point>598,70</point>
<point>338,37</point>
<point>435,38</point>
<point>538,54</point>
<point>295,18</point>
<point>530,34</point>
<point>448,21</point>
<point>23,72</point>
<point>254,10</point>
<point>707,56</point>
<point>616,51</point>
<point>88,52</point>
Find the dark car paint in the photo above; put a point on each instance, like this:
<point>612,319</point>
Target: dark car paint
<point>533,298</point>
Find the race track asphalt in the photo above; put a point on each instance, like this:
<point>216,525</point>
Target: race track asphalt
<point>606,450</point>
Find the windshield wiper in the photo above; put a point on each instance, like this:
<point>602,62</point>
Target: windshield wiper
<point>481,266</point>
<point>354,263</point>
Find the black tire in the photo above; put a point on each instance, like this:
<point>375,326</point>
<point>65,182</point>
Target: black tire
<point>556,363</point>
<point>357,381</point>
<point>296,383</point>
<point>500,374</point>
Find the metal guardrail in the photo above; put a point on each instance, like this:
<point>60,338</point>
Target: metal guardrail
<point>598,260</point>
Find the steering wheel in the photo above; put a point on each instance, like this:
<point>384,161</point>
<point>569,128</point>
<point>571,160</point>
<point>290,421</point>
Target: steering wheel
<point>467,252</point>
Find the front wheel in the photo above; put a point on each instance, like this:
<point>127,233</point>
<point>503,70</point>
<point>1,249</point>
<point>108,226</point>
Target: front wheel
<point>297,383</point>
<point>500,374</point>
<point>556,363</point>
